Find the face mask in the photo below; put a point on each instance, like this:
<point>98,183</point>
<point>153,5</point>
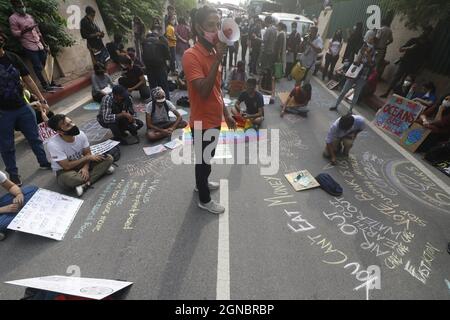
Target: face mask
<point>74,131</point>
<point>211,37</point>
<point>446,103</point>
<point>406,83</point>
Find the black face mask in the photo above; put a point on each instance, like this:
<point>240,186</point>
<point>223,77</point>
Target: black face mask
<point>74,131</point>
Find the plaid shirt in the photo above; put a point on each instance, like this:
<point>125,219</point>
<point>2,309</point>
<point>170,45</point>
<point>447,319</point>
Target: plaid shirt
<point>110,108</point>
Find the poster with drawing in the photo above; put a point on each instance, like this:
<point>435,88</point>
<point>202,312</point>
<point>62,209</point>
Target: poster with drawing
<point>414,137</point>
<point>397,115</point>
<point>48,214</point>
<point>302,180</point>
<point>90,288</point>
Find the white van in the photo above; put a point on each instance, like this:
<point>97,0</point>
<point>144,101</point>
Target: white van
<point>303,23</point>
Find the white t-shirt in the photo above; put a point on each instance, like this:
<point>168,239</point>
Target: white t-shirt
<point>335,47</point>
<point>61,150</point>
<point>3,177</point>
<point>308,58</point>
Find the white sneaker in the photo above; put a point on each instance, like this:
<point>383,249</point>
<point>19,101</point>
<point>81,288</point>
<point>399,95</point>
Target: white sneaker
<point>80,189</point>
<point>212,207</point>
<point>211,185</point>
<point>110,170</point>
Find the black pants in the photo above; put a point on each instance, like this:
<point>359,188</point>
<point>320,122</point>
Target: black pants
<point>172,58</point>
<point>121,125</point>
<point>254,56</point>
<point>330,63</point>
<point>244,48</point>
<point>203,169</point>
<point>157,77</point>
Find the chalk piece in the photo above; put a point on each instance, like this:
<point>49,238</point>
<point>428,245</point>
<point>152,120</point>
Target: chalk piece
<point>302,180</point>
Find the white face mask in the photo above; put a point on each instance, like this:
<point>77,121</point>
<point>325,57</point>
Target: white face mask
<point>446,103</point>
<point>406,83</point>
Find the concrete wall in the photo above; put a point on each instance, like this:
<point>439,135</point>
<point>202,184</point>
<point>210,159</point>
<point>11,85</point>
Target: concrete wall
<point>76,59</point>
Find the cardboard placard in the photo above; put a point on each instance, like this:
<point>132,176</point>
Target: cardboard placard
<point>414,137</point>
<point>283,97</point>
<point>397,115</point>
<point>302,180</point>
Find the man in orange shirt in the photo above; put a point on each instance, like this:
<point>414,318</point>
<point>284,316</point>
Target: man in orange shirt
<point>203,69</point>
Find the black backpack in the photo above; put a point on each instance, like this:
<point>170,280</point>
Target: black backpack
<point>328,184</point>
<point>152,52</point>
<point>115,153</point>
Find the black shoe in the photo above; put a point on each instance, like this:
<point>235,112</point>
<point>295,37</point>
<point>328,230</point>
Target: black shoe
<point>448,248</point>
<point>333,109</point>
<point>16,180</point>
<point>46,166</point>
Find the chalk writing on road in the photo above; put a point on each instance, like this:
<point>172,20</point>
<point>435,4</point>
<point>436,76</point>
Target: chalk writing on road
<point>423,271</point>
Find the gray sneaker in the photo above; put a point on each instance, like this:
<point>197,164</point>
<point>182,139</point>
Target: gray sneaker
<point>212,186</point>
<point>212,207</point>
<point>2,236</point>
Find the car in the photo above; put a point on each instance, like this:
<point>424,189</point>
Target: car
<point>303,23</point>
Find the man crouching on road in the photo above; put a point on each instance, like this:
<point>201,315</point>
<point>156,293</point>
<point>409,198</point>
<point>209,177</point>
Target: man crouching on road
<point>74,165</point>
<point>203,69</point>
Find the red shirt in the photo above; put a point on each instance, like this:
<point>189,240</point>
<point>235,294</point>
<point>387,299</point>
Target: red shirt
<point>197,62</point>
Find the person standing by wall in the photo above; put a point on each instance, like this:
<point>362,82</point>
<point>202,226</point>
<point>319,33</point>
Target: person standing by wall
<point>332,55</point>
<point>94,36</point>
<point>354,43</point>
<point>383,39</point>
<point>203,67</point>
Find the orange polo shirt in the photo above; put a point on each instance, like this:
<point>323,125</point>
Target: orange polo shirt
<point>197,62</point>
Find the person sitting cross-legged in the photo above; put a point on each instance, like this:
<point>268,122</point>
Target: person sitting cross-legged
<point>117,113</point>
<point>133,78</point>
<point>72,161</point>
<point>254,102</point>
<point>12,202</point>
<point>299,97</point>
<point>159,125</point>
<point>342,135</point>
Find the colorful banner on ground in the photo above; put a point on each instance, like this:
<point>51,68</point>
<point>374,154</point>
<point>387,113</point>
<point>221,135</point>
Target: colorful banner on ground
<point>397,115</point>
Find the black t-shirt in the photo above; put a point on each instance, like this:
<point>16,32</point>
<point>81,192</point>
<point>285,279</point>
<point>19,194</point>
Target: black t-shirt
<point>112,48</point>
<point>252,103</point>
<point>11,90</point>
<point>87,28</point>
<point>132,77</point>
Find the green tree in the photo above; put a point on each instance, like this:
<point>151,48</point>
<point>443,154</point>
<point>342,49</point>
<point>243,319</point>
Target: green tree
<point>182,6</point>
<point>419,13</point>
<point>51,24</point>
<point>118,14</point>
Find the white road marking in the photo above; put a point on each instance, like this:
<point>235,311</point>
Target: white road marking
<point>223,252</point>
<point>395,145</point>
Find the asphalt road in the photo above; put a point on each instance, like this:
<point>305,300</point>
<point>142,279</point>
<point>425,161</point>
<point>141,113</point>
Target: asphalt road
<point>142,223</point>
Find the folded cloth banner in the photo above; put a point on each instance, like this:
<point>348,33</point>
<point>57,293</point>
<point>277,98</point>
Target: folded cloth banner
<point>397,115</point>
<point>45,132</point>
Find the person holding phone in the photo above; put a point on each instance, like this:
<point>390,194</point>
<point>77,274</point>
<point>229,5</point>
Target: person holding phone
<point>75,167</point>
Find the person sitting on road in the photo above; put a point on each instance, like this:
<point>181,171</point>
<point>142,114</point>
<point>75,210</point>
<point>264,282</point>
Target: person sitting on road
<point>117,113</point>
<point>436,119</point>
<point>407,88</point>
<point>300,95</point>
<point>428,96</point>
<point>342,135</point>
<point>133,78</point>
<point>100,82</point>
<point>236,79</point>
<point>132,55</point>
<point>159,125</point>
<point>12,202</point>
<point>254,103</point>
<point>72,161</point>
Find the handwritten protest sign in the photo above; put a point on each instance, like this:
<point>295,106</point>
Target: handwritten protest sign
<point>45,132</point>
<point>397,115</point>
<point>103,147</point>
<point>48,214</point>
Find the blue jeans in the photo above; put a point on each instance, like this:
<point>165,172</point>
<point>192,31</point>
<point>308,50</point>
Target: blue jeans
<point>360,83</point>
<point>25,119</point>
<point>38,59</point>
<point>7,199</point>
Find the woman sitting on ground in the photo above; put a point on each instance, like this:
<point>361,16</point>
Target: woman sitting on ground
<point>297,101</point>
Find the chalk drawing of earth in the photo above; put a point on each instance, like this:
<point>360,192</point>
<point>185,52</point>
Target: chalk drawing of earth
<point>414,136</point>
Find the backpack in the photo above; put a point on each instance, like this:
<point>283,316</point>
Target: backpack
<point>329,185</point>
<point>152,54</point>
<point>166,106</point>
<point>115,153</point>
<point>183,102</point>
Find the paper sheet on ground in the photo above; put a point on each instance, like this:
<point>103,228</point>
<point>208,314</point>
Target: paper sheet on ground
<point>180,111</point>
<point>103,147</point>
<point>154,150</point>
<point>302,180</point>
<point>174,144</point>
<point>48,214</point>
<point>266,99</point>
<point>81,287</point>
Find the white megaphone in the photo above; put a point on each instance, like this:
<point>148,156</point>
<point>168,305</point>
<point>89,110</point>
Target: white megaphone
<point>229,33</point>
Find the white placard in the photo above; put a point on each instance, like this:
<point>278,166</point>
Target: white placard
<point>103,147</point>
<point>107,90</point>
<point>154,150</point>
<point>354,71</point>
<point>174,144</point>
<point>266,99</point>
<point>180,111</point>
<point>48,214</point>
<point>80,287</point>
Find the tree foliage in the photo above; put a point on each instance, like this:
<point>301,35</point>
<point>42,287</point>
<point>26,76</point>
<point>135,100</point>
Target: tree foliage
<point>182,6</point>
<point>118,14</point>
<point>420,13</point>
<point>51,24</point>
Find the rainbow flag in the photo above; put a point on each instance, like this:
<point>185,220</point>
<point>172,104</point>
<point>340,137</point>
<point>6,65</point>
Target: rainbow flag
<point>228,136</point>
